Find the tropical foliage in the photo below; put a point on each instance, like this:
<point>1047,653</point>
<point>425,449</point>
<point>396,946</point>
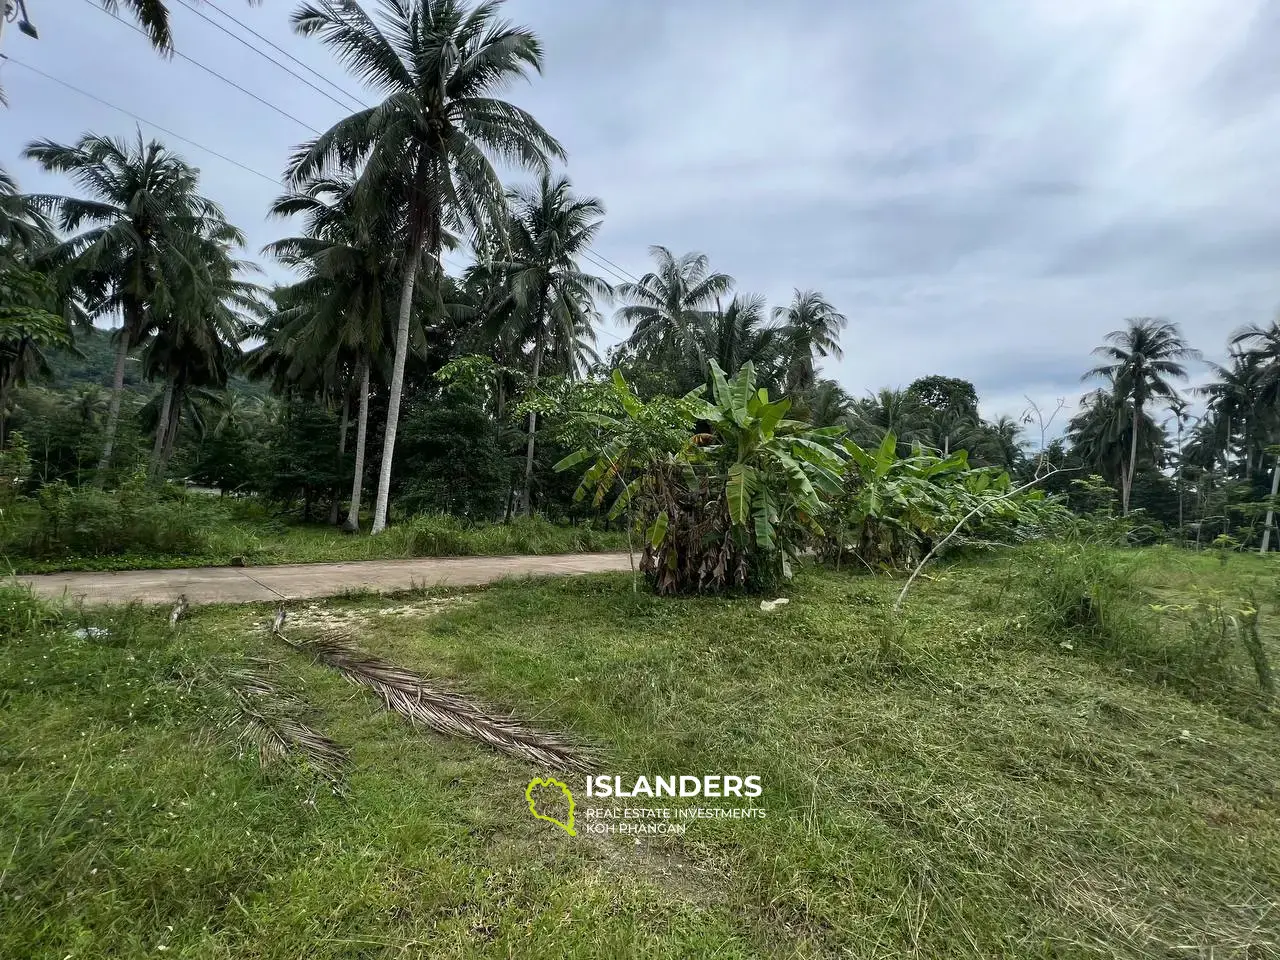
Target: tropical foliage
<point>892,510</point>
<point>726,490</point>
<point>298,393</point>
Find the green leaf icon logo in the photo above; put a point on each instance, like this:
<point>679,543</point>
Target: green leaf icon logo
<point>533,804</point>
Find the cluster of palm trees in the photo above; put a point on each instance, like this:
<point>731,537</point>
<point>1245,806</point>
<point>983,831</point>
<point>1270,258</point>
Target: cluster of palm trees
<point>380,197</point>
<point>141,243</point>
<point>385,192</point>
<point>684,315</point>
<point>161,256</point>
<point>1120,431</point>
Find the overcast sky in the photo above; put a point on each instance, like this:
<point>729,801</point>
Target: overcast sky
<point>985,188</point>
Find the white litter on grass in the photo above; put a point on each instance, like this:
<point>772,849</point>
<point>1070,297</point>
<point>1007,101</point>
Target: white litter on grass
<point>91,633</point>
<point>769,605</point>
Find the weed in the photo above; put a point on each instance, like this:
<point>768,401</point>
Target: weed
<point>993,794</point>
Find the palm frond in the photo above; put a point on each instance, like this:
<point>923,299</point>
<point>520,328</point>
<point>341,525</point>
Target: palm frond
<point>271,719</point>
<point>445,711</point>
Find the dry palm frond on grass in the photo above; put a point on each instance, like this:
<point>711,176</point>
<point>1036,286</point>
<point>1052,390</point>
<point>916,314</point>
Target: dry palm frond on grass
<point>271,718</point>
<point>444,711</point>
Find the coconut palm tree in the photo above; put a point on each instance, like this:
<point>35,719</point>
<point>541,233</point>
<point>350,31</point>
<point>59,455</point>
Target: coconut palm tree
<point>22,225</point>
<point>884,412</point>
<point>1232,399</point>
<point>669,306</point>
<point>1264,352</point>
<point>196,344</point>
<point>811,328</point>
<point>337,327</point>
<point>741,334</point>
<point>1098,433</point>
<point>1144,358</point>
<point>826,404</point>
<point>546,301</point>
<point>427,145</point>
<point>143,214</point>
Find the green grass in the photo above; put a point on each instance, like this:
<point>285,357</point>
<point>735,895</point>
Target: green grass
<point>261,540</point>
<point>1000,784</point>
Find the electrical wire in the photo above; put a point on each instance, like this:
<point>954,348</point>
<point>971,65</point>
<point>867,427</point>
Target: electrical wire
<point>139,119</point>
<point>241,40</point>
<point>311,70</point>
<point>209,70</point>
<point>4,58</point>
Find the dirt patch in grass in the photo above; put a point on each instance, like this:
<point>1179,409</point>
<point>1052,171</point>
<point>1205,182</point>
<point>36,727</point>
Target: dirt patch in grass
<point>328,618</point>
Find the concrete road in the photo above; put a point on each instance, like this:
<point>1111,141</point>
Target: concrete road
<point>300,581</point>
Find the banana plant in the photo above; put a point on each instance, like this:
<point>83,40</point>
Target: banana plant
<point>727,490</point>
<point>893,508</point>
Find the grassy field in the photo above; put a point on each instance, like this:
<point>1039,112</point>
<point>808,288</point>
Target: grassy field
<point>263,540</point>
<point>1054,753</point>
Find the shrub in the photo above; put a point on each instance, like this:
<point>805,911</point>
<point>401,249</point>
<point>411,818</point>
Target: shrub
<point>22,613</point>
<point>1087,598</point>
<point>1079,591</point>
<point>85,521</point>
<point>726,491</point>
<point>891,510</point>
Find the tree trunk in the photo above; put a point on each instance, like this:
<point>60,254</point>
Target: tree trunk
<point>113,410</point>
<point>1181,534</point>
<point>352,524</point>
<point>4,406</point>
<point>162,425</point>
<point>171,431</point>
<point>397,384</point>
<point>526,493</point>
<point>1133,463</point>
<point>1275,486</point>
<point>342,452</point>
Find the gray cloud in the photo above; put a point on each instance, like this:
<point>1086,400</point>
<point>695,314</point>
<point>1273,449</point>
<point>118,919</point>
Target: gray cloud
<point>986,189</point>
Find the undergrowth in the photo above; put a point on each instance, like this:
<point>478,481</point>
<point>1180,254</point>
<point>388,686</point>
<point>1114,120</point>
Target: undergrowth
<point>137,527</point>
<point>1034,780</point>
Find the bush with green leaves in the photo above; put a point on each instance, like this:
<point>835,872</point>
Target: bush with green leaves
<point>727,490</point>
<point>62,521</point>
<point>891,509</point>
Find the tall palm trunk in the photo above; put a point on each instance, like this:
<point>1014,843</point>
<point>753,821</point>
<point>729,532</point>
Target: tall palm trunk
<point>5,382</point>
<point>362,424</point>
<point>162,425</point>
<point>113,410</point>
<point>1133,462</point>
<point>1275,487</point>
<point>526,493</point>
<point>342,453</point>
<point>1181,465</point>
<point>171,431</point>
<point>412,256</point>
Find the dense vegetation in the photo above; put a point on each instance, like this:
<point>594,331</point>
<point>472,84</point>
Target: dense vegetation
<point>380,386</point>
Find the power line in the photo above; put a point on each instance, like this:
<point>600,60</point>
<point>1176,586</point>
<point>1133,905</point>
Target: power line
<point>130,113</point>
<point>346,93</point>
<point>165,130</point>
<point>596,263</point>
<point>601,256</point>
<point>248,93</point>
<point>241,40</point>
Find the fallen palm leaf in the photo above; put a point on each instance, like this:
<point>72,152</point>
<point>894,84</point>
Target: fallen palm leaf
<point>270,718</point>
<point>444,711</point>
